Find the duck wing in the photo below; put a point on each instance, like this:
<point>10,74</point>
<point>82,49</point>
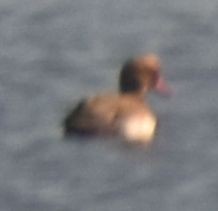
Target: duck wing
<point>91,116</point>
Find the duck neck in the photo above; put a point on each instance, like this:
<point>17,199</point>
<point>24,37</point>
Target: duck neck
<point>139,94</point>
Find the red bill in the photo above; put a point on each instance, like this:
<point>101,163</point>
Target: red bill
<point>162,87</point>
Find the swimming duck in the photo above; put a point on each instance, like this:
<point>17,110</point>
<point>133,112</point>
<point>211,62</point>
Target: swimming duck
<point>127,113</point>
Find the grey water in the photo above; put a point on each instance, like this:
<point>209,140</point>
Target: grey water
<point>52,53</point>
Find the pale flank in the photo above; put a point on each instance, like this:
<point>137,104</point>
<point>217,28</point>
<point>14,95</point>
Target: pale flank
<point>139,128</point>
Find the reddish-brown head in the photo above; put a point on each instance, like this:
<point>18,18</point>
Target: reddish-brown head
<point>143,74</point>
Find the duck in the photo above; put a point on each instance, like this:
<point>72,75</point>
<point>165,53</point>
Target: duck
<point>127,113</point>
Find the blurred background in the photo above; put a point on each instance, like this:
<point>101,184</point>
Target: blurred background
<point>54,52</point>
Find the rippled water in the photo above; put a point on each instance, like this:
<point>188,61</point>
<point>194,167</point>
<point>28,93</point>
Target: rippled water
<point>53,52</point>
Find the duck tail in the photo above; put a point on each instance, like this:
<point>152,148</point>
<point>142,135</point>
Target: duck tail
<point>70,121</point>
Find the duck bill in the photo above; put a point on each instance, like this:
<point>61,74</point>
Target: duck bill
<point>162,87</point>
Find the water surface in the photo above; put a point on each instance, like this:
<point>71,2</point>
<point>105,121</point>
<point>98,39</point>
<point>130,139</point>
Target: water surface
<point>54,52</point>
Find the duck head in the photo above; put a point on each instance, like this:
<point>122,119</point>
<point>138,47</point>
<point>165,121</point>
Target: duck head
<point>141,75</point>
